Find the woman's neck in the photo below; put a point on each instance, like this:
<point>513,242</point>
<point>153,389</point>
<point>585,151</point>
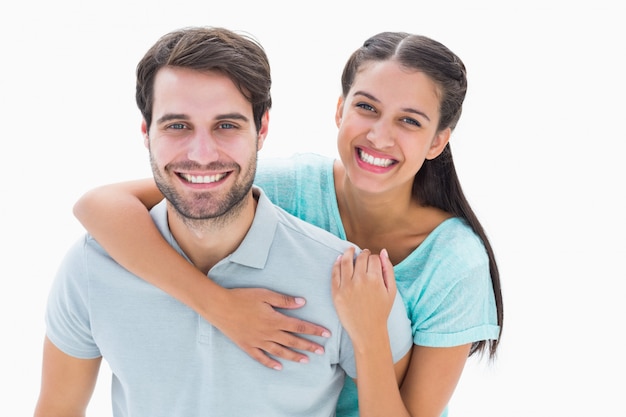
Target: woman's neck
<point>392,220</point>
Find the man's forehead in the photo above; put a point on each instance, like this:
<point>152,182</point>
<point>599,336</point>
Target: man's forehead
<point>186,92</point>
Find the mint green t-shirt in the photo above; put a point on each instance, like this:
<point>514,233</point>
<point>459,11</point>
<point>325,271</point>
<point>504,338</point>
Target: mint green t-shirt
<point>445,282</point>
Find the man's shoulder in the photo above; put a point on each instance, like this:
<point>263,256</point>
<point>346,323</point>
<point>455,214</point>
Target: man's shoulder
<point>307,231</point>
<point>83,260</point>
<point>269,213</point>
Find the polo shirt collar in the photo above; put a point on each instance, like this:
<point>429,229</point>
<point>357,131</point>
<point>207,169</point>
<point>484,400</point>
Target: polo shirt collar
<point>255,247</point>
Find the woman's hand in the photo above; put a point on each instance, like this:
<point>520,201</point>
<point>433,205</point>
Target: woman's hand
<point>249,318</point>
<point>363,291</point>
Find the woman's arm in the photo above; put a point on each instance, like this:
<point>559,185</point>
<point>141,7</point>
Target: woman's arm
<point>117,216</point>
<point>363,292</point>
<point>432,377</point>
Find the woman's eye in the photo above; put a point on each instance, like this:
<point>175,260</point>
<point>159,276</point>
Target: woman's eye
<point>412,122</point>
<point>365,106</point>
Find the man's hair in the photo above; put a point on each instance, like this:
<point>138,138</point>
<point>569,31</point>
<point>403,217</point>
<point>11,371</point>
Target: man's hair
<point>237,56</point>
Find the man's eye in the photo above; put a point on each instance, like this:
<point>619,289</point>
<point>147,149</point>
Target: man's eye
<point>225,125</point>
<point>176,126</point>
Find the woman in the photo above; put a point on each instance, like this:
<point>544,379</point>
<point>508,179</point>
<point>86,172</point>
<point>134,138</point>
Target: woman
<point>394,192</point>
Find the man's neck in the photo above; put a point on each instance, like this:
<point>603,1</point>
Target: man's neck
<point>206,242</point>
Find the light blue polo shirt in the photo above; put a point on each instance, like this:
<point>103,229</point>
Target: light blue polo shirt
<point>167,361</point>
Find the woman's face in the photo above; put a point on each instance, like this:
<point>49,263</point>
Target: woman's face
<point>388,127</point>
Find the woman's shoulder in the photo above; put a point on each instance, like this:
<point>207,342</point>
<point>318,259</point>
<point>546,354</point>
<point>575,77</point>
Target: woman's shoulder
<point>455,238</point>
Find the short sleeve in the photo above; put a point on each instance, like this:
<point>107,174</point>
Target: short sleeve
<point>67,311</point>
<point>447,289</point>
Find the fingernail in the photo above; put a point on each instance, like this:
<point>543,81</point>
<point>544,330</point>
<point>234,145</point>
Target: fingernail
<point>304,360</point>
<point>319,351</point>
<point>277,367</point>
<point>300,301</point>
<point>325,334</point>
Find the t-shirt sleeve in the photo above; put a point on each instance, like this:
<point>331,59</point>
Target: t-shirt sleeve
<point>465,314</point>
<point>399,327</point>
<point>455,303</point>
<point>67,311</point>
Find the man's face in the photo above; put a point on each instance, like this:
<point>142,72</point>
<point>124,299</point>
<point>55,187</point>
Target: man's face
<point>203,142</point>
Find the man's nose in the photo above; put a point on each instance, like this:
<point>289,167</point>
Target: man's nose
<point>203,148</point>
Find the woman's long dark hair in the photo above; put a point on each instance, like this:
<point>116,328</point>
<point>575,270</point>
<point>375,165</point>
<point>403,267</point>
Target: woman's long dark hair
<point>436,184</point>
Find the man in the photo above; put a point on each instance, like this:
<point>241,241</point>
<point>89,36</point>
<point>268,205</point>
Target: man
<point>204,95</point>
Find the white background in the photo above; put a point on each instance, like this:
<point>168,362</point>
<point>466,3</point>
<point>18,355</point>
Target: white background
<point>539,150</point>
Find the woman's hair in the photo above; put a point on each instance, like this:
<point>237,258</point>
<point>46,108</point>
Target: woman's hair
<point>436,184</point>
<point>238,56</point>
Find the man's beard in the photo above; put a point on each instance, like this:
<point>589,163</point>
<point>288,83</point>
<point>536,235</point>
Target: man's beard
<point>207,206</point>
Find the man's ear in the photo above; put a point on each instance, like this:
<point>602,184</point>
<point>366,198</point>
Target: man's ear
<point>438,144</point>
<point>265,121</point>
<point>144,132</point>
<point>339,111</point>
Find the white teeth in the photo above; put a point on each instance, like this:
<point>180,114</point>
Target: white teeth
<point>379,162</point>
<point>202,179</point>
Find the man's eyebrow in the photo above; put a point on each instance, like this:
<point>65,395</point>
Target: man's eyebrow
<point>406,109</point>
<point>172,116</point>
<point>236,116</point>
<point>175,116</point>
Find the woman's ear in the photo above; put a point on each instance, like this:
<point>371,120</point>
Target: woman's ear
<point>439,142</point>
<point>339,111</point>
